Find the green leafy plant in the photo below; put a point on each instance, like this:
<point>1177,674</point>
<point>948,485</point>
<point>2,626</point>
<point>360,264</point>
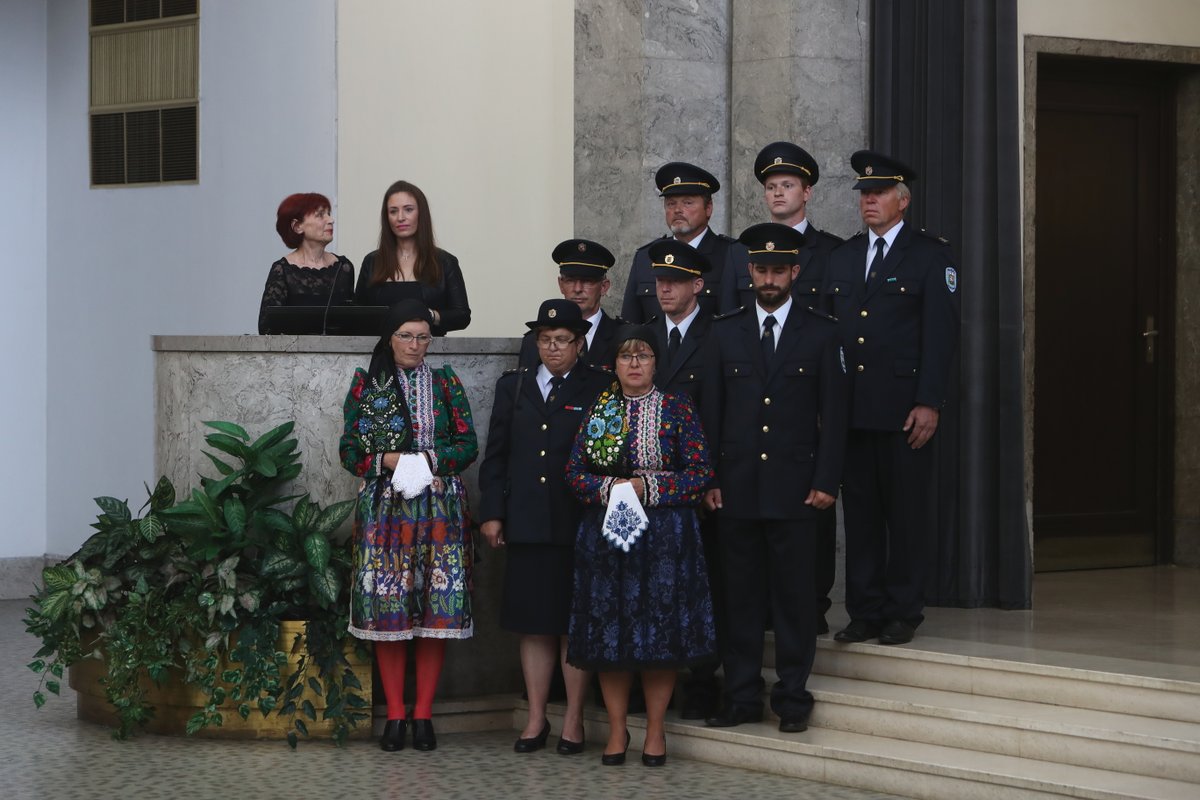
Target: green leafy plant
<point>203,586</point>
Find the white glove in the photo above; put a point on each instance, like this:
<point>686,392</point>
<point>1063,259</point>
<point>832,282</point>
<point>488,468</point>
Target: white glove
<point>412,475</point>
<point>625,519</point>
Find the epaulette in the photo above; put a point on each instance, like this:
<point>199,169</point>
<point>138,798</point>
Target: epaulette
<point>652,241</point>
<point>820,314</point>
<point>722,236</point>
<point>728,314</point>
<point>515,370</point>
<point>933,236</point>
<point>828,235</point>
<point>652,320</point>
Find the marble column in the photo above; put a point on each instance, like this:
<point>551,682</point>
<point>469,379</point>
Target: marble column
<point>651,86</point>
<point>800,72</point>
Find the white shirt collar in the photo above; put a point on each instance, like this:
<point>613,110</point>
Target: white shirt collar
<point>889,238</point>
<point>802,225</point>
<point>699,237</point>
<point>543,379</point>
<point>684,324</point>
<point>595,320</point>
<point>780,314</point>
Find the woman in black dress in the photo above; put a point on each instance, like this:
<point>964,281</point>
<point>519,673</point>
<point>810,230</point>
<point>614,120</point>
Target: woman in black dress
<point>527,508</point>
<point>309,275</point>
<point>409,264</point>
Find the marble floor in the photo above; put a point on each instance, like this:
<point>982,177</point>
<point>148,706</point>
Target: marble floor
<point>1142,621</point>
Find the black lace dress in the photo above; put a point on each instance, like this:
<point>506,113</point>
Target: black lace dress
<point>289,285</point>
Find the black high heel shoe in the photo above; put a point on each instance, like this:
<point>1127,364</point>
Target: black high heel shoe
<point>533,743</point>
<point>568,748</point>
<point>655,761</point>
<point>423,738</point>
<point>616,759</point>
<point>393,735</point>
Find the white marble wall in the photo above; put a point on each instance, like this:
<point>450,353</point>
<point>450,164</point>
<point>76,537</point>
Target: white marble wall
<point>260,382</point>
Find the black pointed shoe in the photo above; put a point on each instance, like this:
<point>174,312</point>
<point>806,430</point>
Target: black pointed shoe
<point>393,735</point>
<point>423,737</point>
<point>533,743</point>
<point>859,630</point>
<point>897,632</point>
<point>616,759</point>
<point>655,761</point>
<point>566,747</point>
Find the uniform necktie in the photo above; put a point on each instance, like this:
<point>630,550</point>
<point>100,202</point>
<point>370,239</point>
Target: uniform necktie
<point>555,382</point>
<point>768,338</point>
<point>583,350</point>
<point>877,261</point>
<point>673,345</point>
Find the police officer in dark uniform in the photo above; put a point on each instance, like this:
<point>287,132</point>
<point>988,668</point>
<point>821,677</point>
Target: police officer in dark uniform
<point>775,406</point>
<point>685,340</point>
<point>583,279</point>
<point>788,174</point>
<point>895,293</point>
<point>687,192</point>
<point>526,506</point>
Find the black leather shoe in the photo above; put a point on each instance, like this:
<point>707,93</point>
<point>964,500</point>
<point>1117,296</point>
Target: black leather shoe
<point>732,716</point>
<point>393,735</point>
<point>859,630</point>
<point>533,743</point>
<point>897,632</point>
<point>615,759</point>
<point>790,724</point>
<point>655,761</point>
<point>423,738</point>
<point>822,624</point>
<point>566,747</point>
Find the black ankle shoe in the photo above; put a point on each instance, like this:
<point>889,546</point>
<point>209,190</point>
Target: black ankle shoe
<point>533,743</point>
<point>393,735</point>
<point>423,738</point>
<point>615,759</point>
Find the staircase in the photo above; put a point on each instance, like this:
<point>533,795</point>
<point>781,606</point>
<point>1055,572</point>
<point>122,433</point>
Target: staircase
<point>929,724</point>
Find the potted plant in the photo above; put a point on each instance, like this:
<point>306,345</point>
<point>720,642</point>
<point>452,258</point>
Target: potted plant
<point>225,592</point>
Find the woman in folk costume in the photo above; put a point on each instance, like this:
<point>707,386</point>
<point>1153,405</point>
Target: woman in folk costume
<point>408,434</point>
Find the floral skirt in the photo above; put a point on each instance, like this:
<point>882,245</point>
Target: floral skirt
<point>412,564</point>
<point>649,608</point>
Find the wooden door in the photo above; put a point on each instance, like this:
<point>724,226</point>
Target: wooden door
<point>1103,221</point>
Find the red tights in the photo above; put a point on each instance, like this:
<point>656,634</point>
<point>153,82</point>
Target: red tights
<point>392,657</point>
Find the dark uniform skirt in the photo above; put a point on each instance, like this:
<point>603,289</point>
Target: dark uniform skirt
<point>538,582</point>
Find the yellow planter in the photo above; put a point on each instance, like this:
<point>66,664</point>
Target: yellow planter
<point>175,702</point>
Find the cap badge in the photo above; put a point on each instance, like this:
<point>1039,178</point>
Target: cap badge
<point>669,258</point>
<point>677,180</point>
<point>582,247</point>
<point>552,313</point>
<point>778,159</point>
<point>770,246</point>
<point>869,170</point>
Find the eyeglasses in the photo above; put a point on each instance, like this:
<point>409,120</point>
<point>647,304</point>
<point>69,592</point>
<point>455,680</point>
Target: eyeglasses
<point>419,338</point>
<point>554,342</point>
<point>635,358</point>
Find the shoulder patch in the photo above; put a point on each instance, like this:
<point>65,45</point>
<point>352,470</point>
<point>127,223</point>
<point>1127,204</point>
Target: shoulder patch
<point>934,236</point>
<point>951,279</point>
<point>821,314</point>
<point>728,314</point>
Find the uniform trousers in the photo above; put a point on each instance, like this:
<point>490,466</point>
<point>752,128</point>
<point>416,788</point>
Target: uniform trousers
<point>825,560</point>
<point>769,564</point>
<point>702,683</point>
<point>885,499</point>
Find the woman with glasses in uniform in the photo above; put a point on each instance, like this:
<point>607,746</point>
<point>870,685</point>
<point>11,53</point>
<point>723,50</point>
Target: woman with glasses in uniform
<point>408,434</point>
<point>641,601</point>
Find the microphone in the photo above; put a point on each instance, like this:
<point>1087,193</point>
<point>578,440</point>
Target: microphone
<point>329,300</point>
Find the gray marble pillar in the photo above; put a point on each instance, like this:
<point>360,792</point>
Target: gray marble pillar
<point>800,73</point>
<point>651,86</point>
<point>1187,327</point>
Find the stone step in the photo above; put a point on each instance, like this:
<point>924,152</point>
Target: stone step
<point>881,763</point>
<point>1111,685</point>
<point>1080,737</point>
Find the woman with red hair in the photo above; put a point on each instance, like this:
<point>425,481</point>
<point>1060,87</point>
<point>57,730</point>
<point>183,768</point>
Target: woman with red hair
<point>307,276</point>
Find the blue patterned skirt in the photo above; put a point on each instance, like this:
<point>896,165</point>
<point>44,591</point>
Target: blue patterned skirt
<point>649,608</point>
<point>412,564</point>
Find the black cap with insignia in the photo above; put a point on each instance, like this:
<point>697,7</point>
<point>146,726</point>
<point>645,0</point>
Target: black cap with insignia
<point>679,177</point>
<point>580,258</point>
<point>560,313</point>
<point>772,243</point>
<point>877,171</point>
<point>672,258</point>
<point>786,158</point>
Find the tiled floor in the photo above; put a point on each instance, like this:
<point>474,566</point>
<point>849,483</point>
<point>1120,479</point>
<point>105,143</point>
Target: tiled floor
<point>47,754</point>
